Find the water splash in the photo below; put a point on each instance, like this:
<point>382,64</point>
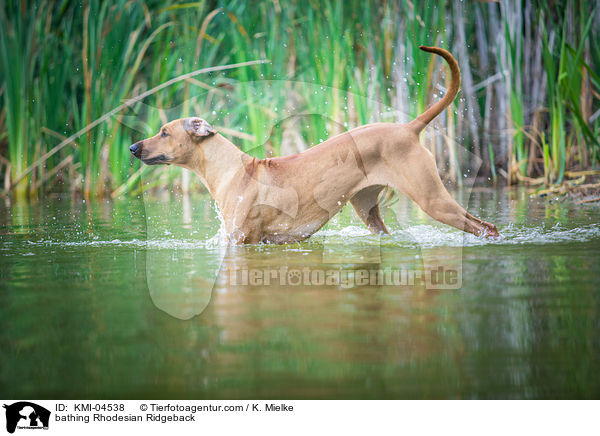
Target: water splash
<point>424,236</point>
<point>433,236</point>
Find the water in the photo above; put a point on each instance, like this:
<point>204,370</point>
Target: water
<point>110,300</point>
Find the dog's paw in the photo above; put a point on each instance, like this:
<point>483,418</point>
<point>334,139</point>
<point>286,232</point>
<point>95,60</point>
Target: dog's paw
<point>491,231</point>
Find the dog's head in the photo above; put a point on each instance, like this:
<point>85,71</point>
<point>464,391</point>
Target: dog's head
<point>175,142</point>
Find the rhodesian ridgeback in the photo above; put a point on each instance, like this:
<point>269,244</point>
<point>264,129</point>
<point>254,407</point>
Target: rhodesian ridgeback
<point>287,199</point>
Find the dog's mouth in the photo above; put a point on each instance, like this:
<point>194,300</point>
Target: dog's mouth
<point>156,160</point>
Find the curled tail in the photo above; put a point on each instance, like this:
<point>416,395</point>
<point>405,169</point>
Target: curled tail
<point>425,118</point>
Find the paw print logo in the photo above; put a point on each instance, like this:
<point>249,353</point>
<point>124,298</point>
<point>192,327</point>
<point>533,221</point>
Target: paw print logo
<point>294,277</point>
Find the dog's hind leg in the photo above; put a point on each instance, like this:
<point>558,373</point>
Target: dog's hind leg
<point>366,205</point>
<point>418,178</point>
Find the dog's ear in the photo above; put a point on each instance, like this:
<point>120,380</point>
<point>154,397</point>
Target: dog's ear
<point>198,128</point>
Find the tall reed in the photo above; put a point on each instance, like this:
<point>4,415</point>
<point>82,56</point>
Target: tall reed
<point>529,105</point>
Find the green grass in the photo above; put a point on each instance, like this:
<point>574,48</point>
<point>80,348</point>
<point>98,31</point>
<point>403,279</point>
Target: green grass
<point>332,66</point>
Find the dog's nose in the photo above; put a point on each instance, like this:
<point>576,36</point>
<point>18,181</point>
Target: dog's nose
<point>136,149</point>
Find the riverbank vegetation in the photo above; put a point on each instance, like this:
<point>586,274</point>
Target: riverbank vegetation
<point>528,111</point>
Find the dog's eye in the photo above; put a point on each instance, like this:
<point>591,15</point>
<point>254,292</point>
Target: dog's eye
<point>164,134</point>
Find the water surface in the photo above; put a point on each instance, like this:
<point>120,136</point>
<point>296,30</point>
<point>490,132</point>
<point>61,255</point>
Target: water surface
<point>114,299</point>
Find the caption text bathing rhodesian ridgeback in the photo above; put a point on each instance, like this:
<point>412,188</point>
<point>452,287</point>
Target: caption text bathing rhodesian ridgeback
<point>287,199</point>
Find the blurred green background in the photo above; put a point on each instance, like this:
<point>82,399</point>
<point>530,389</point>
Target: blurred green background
<point>528,109</point>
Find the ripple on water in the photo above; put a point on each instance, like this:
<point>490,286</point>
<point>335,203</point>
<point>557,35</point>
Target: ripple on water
<point>414,236</point>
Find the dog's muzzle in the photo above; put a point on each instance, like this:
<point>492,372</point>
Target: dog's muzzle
<point>136,149</point>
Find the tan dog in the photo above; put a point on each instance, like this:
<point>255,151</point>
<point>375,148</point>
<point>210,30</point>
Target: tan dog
<point>287,199</point>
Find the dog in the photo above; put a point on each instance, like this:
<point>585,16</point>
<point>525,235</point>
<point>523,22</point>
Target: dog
<point>287,199</point>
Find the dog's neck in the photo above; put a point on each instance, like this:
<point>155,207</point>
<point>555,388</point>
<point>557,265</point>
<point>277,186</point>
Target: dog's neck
<point>217,161</point>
